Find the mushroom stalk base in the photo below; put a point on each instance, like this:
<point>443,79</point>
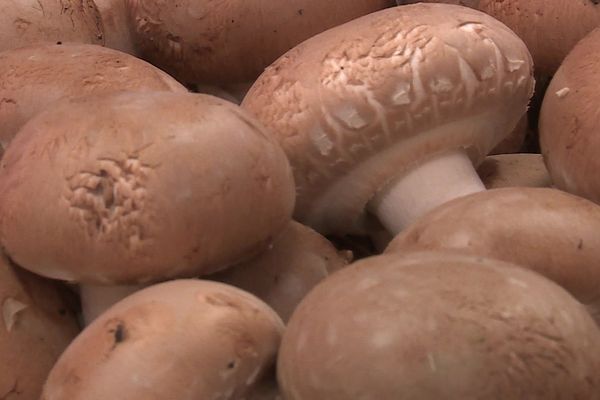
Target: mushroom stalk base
<point>448,176</point>
<point>97,299</point>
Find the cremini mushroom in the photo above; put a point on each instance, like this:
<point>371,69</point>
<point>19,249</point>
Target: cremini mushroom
<point>281,276</point>
<point>185,339</point>
<point>115,21</point>
<point>551,232</point>
<point>570,121</point>
<point>508,170</point>
<point>390,111</point>
<point>432,326</point>
<point>143,187</point>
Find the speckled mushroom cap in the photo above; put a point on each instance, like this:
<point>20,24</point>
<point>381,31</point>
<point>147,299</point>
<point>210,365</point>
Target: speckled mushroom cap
<point>184,340</point>
<point>546,230</point>
<point>439,326</point>
<point>35,329</point>
<point>28,22</point>
<point>34,77</point>
<point>281,276</point>
<point>117,32</point>
<point>139,187</point>
<point>360,104</point>
<point>227,42</point>
<point>570,122</point>
<point>510,170</point>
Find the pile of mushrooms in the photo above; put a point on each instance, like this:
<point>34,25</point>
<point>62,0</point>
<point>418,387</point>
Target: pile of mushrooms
<point>300,200</point>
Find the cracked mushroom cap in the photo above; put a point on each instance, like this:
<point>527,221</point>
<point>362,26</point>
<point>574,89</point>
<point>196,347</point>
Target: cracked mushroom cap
<point>203,41</point>
<point>281,276</point>
<point>570,122</point>
<point>545,230</point>
<point>185,339</point>
<point>510,170</point>
<point>358,105</point>
<point>439,326</point>
<point>28,22</point>
<point>34,77</point>
<point>142,187</point>
<point>36,327</point>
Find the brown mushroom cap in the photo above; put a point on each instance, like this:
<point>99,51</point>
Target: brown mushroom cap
<point>509,170</point>
<point>34,77</point>
<point>570,121</point>
<point>142,187</point>
<point>361,104</point>
<point>28,22</point>
<point>35,329</point>
<point>224,43</point>
<point>281,276</point>
<point>546,230</point>
<point>117,33</point>
<point>185,339</point>
<point>439,326</point>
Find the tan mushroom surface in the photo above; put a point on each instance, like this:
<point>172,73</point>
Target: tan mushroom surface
<point>510,170</point>
<point>439,326</point>
<point>389,112</point>
<point>35,77</point>
<point>36,327</point>
<point>185,340</point>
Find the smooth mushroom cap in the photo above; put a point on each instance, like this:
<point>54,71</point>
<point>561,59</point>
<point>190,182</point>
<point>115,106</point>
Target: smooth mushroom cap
<point>28,22</point>
<point>439,326</point>
<point>509,170</point>
<point>514,142</point>
<point>115,20</point>
<point>545,230</point>
<point>570,121</point>
<point>35,77</point>
<point>281,276</point>
<point>142,187</point>
<point>35,329</point>
<point>185,340</point>
<point>202,41</point>
<point>360,104</point>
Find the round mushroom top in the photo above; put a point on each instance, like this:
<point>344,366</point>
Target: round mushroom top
<point>358,105</point>
<point>438,326</point>
<point>28,22</point>
<point>570,122</point>
<point>184,340</point>
<point>34,77</point>
<point>35,329</point>
<point>232,41</point>
<point>514,170</point>
<point>138,187</point>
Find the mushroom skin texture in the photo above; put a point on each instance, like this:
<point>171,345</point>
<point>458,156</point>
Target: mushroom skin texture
<point>185,340</point>
<point>228,42</point>
<point>36,327</point>
<point>546,230</point>
<point>143,186</point>
<point>35,77</point>
<point>439,326</point>
<point>117,32</point>
<point>29,22</point>
<point>569,121</point>
<point>371,109</point>
<point>510,170</point>
<point>281,276</point>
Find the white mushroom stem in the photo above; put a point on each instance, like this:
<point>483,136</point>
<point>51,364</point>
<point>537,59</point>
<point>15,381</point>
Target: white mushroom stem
<point>97,299</point>
<point>447,176</point>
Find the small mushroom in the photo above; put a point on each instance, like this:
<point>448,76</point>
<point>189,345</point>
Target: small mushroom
<point>433,326</point>
<point>509,170</point>
<point>185,339</point>
<point>389,112</point>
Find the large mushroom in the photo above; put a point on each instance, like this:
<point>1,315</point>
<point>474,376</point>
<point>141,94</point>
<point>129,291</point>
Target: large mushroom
<point>389,112</point>
<point>433,326</point>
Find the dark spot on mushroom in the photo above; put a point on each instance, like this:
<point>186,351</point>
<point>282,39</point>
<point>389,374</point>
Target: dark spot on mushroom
<point>59,43</point>
<point>231,364</point>
<point>232,21</point>
<point>300,12</point>
<point>119,334</point>
<point>596,2</point>
<point>117,331</point>
<point>276,279</point>
<point>580,244</point>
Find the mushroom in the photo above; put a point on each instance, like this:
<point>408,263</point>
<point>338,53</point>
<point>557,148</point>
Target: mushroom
<point>509,170</point>
<point>545,230</point>
<point>35,77</point>
<point>185,339</point>
<point>117,32</point>
<point>437,325</point>
<point>281,276</point>
<point>143,186</point>
<point>390,111</point>
<point>515,141</point>
<point>569,121</point>
<point>202,41</point>
<point>28,22</point>
<point>36,327</point>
